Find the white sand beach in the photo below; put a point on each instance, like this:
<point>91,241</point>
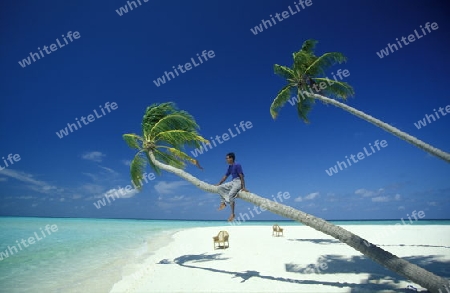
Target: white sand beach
<point>303,260</point>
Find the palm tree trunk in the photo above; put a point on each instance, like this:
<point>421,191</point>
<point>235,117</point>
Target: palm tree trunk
<point>408,270</point>
<point>395,131</point>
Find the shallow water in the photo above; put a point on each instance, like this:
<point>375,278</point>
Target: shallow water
<point>90,255</point>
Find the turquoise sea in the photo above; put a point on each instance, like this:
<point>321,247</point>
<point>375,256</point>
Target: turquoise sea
<point>90,255</point>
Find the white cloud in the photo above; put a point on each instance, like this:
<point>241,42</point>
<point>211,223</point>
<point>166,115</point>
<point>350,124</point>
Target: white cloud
<point>33,184</point>
<point>3,179</point>
<point>331,197</point>
<point>93,156</point>
<point>432,203</point>
<point>310,196</point>
<point>176,198</point>
<point>180,203</point>
<point>126,162</point>
<point>106,175</point>
<point>92,188</point>
<point>380,199</point>
<point>120,193</point>
<point>92,176</point>
<point>298,199</point>
<point>23,197</point>
<point>401,207</point>
<point>377,195</point>
<point>368,193</point>
<point>109,170</point>
<point>164,187</point>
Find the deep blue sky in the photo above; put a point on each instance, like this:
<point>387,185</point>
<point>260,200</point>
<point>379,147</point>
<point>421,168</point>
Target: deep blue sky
<point>117,58</point>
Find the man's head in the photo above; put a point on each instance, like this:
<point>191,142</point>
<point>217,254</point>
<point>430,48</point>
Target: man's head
<point>230,158</point>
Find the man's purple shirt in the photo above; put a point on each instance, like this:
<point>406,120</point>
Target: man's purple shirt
<point>234,170</point>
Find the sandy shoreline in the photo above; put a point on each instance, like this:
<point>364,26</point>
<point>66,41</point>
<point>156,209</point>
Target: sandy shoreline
<point>304,260</point>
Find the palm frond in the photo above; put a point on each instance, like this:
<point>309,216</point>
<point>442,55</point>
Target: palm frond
<point>185,157</point>
<point>156,112</point>
<point>336,89</point>
<point>178,120</point>
<point>309,46</point>
<point>304,106</point>
<point>179,138</point>
<point>279,101</point>
<point>322,63</point>
<point>132,140</point>
<point>283,71</point>
<point>175,121</point>
<point>302,61</point>
<point>137,168</point>
<point>169,159</point>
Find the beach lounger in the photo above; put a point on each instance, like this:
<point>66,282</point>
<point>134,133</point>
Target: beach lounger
<point>221,239</point>
<point>277,231</point>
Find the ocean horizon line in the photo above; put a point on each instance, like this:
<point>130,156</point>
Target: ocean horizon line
<point>219,220</point>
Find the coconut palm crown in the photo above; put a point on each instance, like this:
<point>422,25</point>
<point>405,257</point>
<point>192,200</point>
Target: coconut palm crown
<point>305,75</point>
<point>165,132</point>
<point>303,80</point>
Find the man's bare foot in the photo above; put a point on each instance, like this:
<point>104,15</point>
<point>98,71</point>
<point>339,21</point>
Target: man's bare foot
<point>231,218</point>
<point>222,206</point>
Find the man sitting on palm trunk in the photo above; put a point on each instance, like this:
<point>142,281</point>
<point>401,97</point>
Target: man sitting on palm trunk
<point>228,191</point>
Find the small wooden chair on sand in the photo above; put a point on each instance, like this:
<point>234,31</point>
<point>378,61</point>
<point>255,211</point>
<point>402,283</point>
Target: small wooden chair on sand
<point>221,239</point>
<point>276,230</point>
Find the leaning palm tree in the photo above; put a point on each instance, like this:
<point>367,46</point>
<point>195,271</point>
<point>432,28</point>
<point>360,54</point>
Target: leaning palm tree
<point>305,82</point>
<point>165,132</point>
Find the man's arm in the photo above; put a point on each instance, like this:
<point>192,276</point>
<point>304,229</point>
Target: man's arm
<point>222,180</point>
<point>242,182</point>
